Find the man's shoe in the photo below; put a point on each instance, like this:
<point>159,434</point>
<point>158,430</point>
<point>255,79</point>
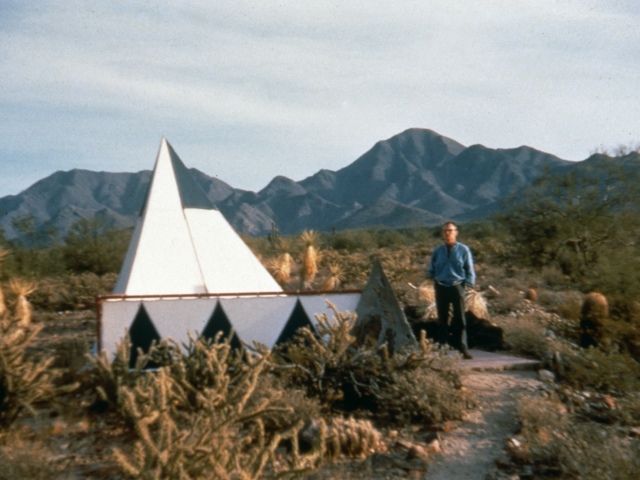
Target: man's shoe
<point>466,355</point>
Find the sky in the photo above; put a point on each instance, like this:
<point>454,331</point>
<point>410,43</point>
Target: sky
<point>247,90</point>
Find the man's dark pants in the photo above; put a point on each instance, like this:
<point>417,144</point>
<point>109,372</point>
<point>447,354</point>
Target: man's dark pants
<point>453,296</point>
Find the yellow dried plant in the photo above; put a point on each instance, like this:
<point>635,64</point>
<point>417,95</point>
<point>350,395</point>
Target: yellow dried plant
<point>334,280</point>
<point>476,304</point>
<point>310,258</point>
<point>280,267</point>
<point>3,306</point>
<point>23,288</point>
<point>426,293</point>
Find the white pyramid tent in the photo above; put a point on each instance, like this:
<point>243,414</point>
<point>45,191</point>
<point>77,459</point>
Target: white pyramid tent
<point>183,245</point>
<point>188,272</point>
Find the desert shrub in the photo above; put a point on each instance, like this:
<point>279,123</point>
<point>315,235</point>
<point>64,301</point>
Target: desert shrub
<point>109,374</point>
<point>32,459</point>
<point>506,301</point>
<point>567,304</point>
<point>416,384</point>
<point>526,334</point>
<point>604,371</point>
<point>213,442</point>
<point>556,446</point>
<point>626,411</point>
<point>390,239</point>
<point>72,292</point>
<point>200,415</point>
<point>354,267</point>
<point>624,335</point>
<point>351,240</point>
<point>554,278</point>
<point>290,404</point>
<point>24,381</point>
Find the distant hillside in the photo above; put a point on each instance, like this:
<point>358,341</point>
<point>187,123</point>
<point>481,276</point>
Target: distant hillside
<point>415,178</point>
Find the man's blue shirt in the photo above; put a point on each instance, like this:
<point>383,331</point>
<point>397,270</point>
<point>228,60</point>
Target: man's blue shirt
<point>452,266</point>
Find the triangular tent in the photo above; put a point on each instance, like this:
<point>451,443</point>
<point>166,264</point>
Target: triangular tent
<point>183,245</point>
<point>380,319</point>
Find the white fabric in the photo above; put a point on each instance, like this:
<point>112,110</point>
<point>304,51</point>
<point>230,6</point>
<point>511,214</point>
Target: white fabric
<point>181,251</point>
<point>226,262</point>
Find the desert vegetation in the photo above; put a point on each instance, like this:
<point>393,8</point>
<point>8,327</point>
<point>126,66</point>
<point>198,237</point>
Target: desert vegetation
<point>558,272</point>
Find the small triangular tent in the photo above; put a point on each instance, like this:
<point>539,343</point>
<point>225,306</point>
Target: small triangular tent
<point>183,245</point>
<point>380,319</point>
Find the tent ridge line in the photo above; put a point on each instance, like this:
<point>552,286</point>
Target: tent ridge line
<point>282,293</point>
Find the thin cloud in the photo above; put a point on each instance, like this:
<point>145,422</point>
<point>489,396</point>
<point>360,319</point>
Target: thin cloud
<point>247,90</point>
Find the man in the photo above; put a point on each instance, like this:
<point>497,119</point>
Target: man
<point>451,268</point>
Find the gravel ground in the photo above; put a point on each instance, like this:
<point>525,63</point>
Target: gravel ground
<point>470,451</point>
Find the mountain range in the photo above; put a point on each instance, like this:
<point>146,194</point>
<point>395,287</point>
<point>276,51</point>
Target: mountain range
<point>414,178</point>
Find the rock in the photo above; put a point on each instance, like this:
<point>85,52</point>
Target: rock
<point>546,376</point>
<point>446,426</point>
<point>610,402</point>
<point>434,446</point>
<point>309,436</point>
<point>504,462</point>
<point>382,461</point>
<point>417,451</point>
<point>514,443</point>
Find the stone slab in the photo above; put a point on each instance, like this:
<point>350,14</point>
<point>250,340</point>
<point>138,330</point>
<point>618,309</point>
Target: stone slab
<point>497,361</point>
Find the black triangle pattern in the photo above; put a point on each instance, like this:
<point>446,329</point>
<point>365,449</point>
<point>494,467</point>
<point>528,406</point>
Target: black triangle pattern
<point>142,333</point>
<point>219,322</point>
<point>297,320</point>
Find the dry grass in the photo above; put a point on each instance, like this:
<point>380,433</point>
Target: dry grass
<point>526,334</point>
<point>335,278</point>
<point>281,268</point>
<point>557,446</point>
<point>22,288</point>
<point>477,304</point>
<point>31,459</point>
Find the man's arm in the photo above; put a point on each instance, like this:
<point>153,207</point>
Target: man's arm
<point>469,270</point>
<point>431,271</point>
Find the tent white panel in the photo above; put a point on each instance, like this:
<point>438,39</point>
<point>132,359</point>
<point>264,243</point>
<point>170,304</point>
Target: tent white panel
<point>227,263</point>
<point>177,317</point>
<point>165,261</point>
<point>317,304</point>
<point>127,265</point>
<point>117,316</point>
<point>259,319</point>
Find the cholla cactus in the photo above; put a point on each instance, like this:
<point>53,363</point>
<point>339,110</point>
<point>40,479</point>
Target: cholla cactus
<point>222,436</point>
<point>23,381</point>
<point>23,288</point>
<point>352,438</point>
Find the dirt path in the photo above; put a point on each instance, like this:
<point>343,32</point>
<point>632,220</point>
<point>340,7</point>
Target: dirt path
<point>470,451</point>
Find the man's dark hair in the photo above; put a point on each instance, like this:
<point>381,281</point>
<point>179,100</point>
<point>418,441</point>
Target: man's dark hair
<point>450,223</point>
